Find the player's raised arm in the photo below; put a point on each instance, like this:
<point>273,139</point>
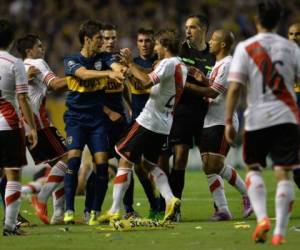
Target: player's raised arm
<point>135,69</point>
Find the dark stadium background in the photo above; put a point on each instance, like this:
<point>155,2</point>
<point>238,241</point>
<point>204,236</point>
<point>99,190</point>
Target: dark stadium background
<point>57,23</point>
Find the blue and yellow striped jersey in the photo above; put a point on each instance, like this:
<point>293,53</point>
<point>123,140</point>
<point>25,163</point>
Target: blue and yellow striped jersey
<point>139,95</point>
<point>84,94</point>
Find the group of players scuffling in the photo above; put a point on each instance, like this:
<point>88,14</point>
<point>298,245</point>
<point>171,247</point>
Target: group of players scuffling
<point>178,94</point>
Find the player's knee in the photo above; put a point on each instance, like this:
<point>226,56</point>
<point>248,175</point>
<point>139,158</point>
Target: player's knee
<point>282,173</point>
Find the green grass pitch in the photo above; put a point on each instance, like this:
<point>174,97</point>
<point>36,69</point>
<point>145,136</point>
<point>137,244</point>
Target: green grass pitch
<point>195,231</point>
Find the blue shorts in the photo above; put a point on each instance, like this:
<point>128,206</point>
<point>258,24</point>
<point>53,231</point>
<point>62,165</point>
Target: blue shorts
<point>86,129</point>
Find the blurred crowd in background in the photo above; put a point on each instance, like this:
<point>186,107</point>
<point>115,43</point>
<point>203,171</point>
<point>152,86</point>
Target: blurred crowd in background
<point>57,21</point>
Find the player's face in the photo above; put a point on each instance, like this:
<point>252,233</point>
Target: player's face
<point>37,51</point>
<point>159,50</point>
<point>193,30</point>
<point>109,40</point>
<point>96,42</point>
<point>145,45</point>
<point>294,34</point>
<point>215,43</point>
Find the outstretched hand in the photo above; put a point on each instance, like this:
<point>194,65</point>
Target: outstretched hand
<point>126,54</point>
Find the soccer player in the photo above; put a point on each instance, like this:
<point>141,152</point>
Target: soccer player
<point>51,147</point>
<point>143,142</point>
<point>294,35</point>
<point>190,112</point>
<point>86,122</point>
<point>114,104</point>
<point>268,65</point>
<point>213,146</point>
<point>139,97</point>
<point>13,96</point>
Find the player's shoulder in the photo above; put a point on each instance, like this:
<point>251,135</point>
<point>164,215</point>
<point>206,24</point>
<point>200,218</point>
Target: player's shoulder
<point>39,62</point>
<point>9,58</point>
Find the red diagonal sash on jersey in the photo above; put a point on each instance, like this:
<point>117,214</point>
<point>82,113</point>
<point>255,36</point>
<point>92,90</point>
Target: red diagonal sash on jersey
<point>265,65</point>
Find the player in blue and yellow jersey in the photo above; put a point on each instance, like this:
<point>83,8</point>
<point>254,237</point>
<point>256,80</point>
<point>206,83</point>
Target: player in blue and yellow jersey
<point>114,107</point>
<point>85,120</point>
<point>294,35</point>
<point>146,58</point>
<point>139,97</point>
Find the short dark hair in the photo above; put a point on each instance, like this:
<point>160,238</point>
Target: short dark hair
<point>202,18</point>
<point>7,33</point>
<point>89,28</point>
<point>108,26</point>
<point>169,39</point>
<point>269,13</point>
<point>26,42</point>
<point>145,31</point>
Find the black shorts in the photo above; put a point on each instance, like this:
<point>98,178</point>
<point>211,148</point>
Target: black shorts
<point>187,125</point>
<point>12,148</point>
<point>139,142</point>
<point>51,145</point>
<point>213,141</point>
<point>281,142</point>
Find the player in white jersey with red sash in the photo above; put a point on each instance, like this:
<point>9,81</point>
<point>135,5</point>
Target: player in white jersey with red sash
<point>268,65</point>
<point>144,141</point>
<point>213,146</point>
<point>51,146</point>
<point>13,96</point>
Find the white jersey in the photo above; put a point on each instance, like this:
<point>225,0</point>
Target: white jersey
<point>218,82</point>
<point>169,79</point>
<point>38,89</point>
<point>13,80</point>
<point>268,65</point>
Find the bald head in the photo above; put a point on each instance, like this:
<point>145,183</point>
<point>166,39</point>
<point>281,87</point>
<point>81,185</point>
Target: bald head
<point>227,37</point>
<point>294,33</point>
<point>221,40</point>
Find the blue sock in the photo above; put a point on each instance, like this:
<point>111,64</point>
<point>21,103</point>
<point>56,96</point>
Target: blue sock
<point>101,184</point>
<point>128,197</point>
<point>2,190</point>
<point>89,192</point>
<point>149,191</point>
<point>71,181</point>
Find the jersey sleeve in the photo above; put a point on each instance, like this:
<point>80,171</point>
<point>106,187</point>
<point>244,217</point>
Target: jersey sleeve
<point>46,72</point>
<point>71,64</point>
<point>20,77</point>
<point>164,70</point>
<point>109,59</point>
<point>220,83</point>
<point>238,71</point>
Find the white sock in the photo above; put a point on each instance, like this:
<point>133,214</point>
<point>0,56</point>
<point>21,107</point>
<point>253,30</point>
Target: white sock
<point>55,177</point>
<point>12,202</point>
<point>234,179</point>
<point>257,194</point>
<point>283,205</point>
<point>59,200</point>
<point>216,187</point>
<point>121,184</point>
<point>161,181</point>
<point>32,188</point>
